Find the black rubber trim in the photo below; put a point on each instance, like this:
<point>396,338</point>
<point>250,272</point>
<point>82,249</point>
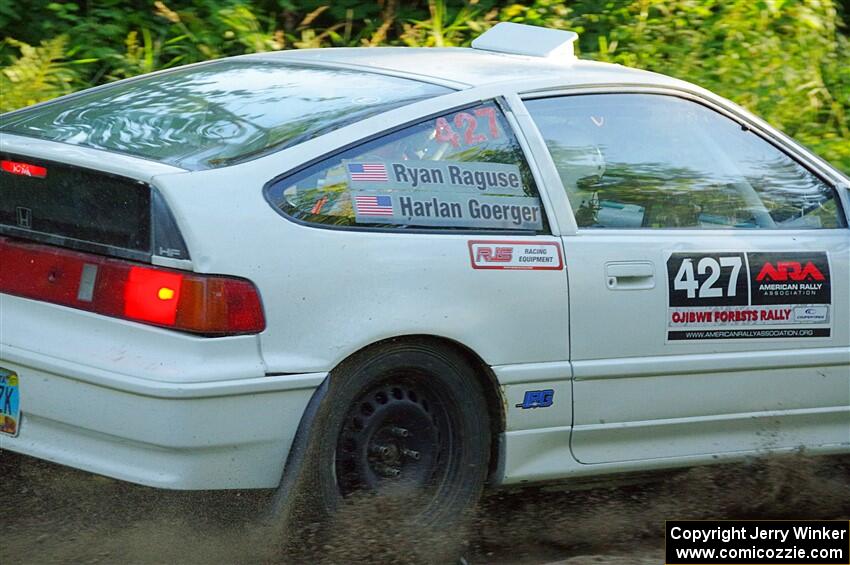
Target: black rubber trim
<point>75,244</point>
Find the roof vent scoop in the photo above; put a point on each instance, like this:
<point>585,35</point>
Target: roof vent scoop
<point>533,41</point>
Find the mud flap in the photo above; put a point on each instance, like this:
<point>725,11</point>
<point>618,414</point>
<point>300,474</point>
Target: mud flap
<point>296,470</point>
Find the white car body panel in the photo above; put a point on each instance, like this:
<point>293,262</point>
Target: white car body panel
<point>147,405</point>
<point>634,329</point>
<point>362,306</point>
<point>222,413</point>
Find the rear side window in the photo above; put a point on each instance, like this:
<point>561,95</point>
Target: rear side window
<point>654,161</point>
<point>462,170</point>
<point>217,113</point>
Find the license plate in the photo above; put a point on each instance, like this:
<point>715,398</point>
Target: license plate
<point>10,403</point>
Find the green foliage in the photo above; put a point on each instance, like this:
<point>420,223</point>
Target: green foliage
<point>39,73</point>
<point>784,60</point>
<point>787,60</point>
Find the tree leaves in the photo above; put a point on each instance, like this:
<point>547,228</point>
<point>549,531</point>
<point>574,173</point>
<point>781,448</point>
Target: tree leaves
<point>788,61</point>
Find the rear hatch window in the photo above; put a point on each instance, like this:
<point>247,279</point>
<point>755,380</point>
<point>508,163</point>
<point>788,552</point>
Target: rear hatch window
<point>218,113</point>
<point>85,209</point>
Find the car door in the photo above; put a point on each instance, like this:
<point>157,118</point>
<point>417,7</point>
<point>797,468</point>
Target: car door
<point>708,282</point>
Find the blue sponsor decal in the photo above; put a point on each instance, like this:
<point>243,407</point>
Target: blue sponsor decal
<point>537,399</point>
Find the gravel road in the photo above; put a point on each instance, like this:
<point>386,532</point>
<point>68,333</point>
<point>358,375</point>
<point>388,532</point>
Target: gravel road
<point>53,514</point>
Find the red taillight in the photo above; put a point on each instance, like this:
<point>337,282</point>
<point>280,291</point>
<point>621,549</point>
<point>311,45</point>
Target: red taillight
<point>205,304</point>
<point>23,169</point>
<point>151,295</point>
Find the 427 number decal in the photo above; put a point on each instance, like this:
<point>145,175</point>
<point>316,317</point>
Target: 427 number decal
<point>464,127</point>
<point>710,279</point>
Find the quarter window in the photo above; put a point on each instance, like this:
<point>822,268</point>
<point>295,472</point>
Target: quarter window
<point>462,170</point>
<point>654,161</point>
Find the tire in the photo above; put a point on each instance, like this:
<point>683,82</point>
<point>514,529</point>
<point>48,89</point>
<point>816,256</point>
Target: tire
<point>405,423</point>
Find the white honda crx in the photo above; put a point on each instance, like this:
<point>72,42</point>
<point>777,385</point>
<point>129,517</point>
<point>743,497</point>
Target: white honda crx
<point>416,269</point>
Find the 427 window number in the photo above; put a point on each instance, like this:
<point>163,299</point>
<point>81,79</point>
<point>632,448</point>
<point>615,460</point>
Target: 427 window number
<point>685,279</point>
<point>466,128</point>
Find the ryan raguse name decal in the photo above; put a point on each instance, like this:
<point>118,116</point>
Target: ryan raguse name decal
<point>455,177</point>
<point>748,295</point>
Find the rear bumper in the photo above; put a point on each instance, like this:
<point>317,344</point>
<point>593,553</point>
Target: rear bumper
<point>222,435</point>
<point>139,421</point>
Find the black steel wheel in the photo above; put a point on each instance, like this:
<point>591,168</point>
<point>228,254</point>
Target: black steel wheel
<point>396,436</point>
<point>406,420</point>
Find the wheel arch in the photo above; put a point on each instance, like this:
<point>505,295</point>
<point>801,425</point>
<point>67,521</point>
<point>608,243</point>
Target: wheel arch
<point>291,470</point>
<point>496,407</point>
<point>495,400</point>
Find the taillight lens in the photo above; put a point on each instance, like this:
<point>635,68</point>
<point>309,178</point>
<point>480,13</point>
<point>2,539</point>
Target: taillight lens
<point>204,304</point>
<point>151,295</point>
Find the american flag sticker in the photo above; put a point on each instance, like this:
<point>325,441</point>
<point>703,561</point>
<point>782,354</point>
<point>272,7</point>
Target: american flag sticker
<point>370,172</point>
<point>373,205</point>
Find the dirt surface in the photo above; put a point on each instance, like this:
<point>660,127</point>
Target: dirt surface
<point>53,514</point>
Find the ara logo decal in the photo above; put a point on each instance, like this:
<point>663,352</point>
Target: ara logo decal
<point>790,270</point>
<point>537,399</point>
<point>791,278</point>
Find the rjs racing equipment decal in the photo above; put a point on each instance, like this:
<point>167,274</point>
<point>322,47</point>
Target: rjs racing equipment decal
<point>516,255</point>
<point>748,295</point>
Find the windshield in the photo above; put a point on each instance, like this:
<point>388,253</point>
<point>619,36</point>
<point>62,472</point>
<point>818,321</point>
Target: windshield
<point>215,114</point>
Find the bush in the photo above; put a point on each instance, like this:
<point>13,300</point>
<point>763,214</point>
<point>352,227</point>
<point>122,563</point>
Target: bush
<point>785,60</point>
